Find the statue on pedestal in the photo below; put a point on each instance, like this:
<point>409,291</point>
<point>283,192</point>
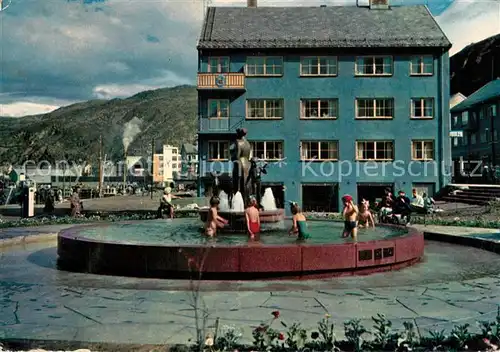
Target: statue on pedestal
<point>240,156</point>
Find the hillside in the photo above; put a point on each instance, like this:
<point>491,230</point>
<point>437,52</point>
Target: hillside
<point>475,65</point>
<point>168,115</point>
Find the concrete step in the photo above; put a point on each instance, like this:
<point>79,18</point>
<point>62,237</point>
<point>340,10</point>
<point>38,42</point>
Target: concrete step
<point>454,199</point>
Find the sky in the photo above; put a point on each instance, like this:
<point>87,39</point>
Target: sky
<point>57,52</point>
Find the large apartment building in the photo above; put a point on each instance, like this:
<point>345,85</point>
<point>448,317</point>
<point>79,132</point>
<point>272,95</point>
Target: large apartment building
<point>337,99</point>
<point>475,121</point>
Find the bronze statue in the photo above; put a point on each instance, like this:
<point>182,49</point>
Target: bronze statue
<point>240,156</point>
<point>254,178</point>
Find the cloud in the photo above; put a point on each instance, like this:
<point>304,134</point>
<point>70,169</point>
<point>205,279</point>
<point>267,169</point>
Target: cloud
<point>466,22</point>
<point>71,50</point>
<point>23,108</point>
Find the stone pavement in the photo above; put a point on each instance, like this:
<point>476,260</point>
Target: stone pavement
<point>453,285</point>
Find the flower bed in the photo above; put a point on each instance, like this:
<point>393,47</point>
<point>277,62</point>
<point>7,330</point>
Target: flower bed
<point>278,336</point>
<point>89,218</point>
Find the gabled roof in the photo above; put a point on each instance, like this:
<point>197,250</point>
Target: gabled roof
<point>189,148</point>
<point>320,27</point>
<point>486,92</point>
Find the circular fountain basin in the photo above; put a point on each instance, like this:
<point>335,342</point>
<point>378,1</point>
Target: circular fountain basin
<point>237,220</point>
<point>177,249</point>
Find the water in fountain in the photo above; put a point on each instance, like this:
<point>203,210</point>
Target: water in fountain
<point>268,202</point>
<point>238,203</point>
<point>223,201</point>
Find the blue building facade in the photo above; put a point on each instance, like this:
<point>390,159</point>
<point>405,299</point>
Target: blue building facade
<point>331,108</point>
<point>476,121</point>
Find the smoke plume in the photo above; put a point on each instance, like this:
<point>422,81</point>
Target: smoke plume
<point>132,129</point>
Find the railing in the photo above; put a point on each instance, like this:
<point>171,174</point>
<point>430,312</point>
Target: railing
<point>215,125</point>
<point>230,80</point>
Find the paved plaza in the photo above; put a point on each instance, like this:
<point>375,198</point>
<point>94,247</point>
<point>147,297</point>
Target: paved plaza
<point>454,284</point>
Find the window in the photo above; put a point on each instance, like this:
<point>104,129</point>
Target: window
<point>319,108</point>
<point>422,150</point>
<point>455,120</point>
<point>422,108</point>
<point>473,138</point>
<point>269,150</point>
<point>483,137</point>
<point>375,150</point>
<point>495,135</point>
<point>455,142</point>
<point>465,118</point>
<point>492,110</point>
<point>422,65</point>
<point>265,109</point>
<point>374,108</point>
<point>160,173</point>
<point>481,113</point>
<point>218,64</point>
<point>160,157</point>
<point>318,66</point>
<point>319,150</point>
<point>218,150</point>
<point>264,66</point>
<point>174,166</point>
<point>218,109</point>
<point>374,66</point>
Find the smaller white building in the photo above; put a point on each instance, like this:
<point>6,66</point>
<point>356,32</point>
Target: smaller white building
<point>170,163</point>
<point>456,99</point>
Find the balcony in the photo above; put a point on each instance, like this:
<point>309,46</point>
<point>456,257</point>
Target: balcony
<point>221,81</point>
<point>220,125</point>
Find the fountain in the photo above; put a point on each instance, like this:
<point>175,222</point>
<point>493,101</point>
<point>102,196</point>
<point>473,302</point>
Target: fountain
<point>245,180</point>
<point>268,201</point>
<point>177,249</point>
<point>223,202</point>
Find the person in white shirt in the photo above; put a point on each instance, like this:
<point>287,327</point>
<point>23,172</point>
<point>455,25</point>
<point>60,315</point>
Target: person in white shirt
<point>417,200</point>
<point>166,203</point>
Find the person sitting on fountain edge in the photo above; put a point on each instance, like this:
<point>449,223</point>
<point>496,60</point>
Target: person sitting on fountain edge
<point>299,226</point>
<point>214,220</point>
<point>365,217</point>
<point>166,203</point>
<point>350,214</point>
<point>253,218</point>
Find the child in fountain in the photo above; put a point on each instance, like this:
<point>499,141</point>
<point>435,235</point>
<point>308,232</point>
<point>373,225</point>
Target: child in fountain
<point>350,214</point>
<point>365,217</point>
<point>253,218</point>
<point>299,226</point>
<point>214,220</point>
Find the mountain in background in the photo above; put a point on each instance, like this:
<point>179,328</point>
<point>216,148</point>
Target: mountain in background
<point>72,133</point>
<point>475,65</point>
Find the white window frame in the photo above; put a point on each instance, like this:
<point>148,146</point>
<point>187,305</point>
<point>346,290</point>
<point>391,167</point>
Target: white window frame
<point>422,143</point>
<point>219,115</point>
<point>264,74</point>
<point>318,101</point>
<point>421,101</point>
<point>319,142</point>
<point>374,66</point>
<point>420,67</point>
<point>265,117</point>
<point>264,157</point>
<point>374,102</point>
<point>319,66</point>
<point>219,68</point>
<point>358,158</point>
<point>220,157</point>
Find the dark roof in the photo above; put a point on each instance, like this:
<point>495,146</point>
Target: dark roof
<point>320,27</point>
<point>189,148</point>
<point>486,92</point>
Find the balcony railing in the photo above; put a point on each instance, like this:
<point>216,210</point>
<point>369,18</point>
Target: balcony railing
<point>229,80</point>
<point>220,125</point>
